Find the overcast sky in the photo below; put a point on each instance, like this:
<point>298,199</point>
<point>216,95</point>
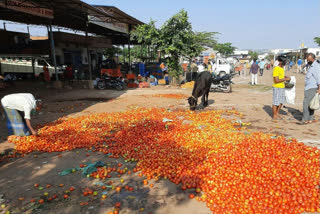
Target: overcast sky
<point>248,24</point>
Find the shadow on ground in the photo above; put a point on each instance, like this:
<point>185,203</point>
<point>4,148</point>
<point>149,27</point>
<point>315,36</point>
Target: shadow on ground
<point>43,168</point>
<point>268,110</point>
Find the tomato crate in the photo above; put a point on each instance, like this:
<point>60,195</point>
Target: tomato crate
<point>131,76</point>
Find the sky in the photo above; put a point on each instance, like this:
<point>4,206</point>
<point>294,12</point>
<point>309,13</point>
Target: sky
<point>247,24</point>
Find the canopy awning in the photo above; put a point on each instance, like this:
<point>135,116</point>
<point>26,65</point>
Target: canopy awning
<point>71,14</point>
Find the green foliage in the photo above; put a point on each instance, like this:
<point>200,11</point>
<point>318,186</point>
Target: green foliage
<point>270,57</point>
<point>253,54</point>
<point>146,34</point>
<point>139,53</point>
<point>200,41</point>
<point>175,39</point>
<point>112,52</point>
<point>225,48</point>
<point>207,39</point>
<point>317,40</point>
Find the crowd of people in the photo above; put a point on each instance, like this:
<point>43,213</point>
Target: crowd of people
<point>18,108</point>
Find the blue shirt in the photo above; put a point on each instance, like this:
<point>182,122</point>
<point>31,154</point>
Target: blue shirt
<point>313,76</point>
<point>300,62</point>
<point>261,64</point>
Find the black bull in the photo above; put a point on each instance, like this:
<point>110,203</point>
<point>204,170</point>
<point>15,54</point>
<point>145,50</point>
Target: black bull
<point>201,88</point>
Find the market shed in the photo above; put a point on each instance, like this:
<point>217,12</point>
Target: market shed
<point>106,21</point>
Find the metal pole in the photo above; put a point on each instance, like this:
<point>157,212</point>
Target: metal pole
<point>4,26</point>
<point>123,54</point>
<point>89,56</point>
<point>28,30</point>
<point>129,54</point>
<point>53,52</point>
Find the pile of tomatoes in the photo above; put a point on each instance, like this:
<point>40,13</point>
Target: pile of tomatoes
<point>237,171</point>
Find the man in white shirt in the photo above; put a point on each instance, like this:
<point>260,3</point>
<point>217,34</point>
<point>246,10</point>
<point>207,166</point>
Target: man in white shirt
<point>18,109</point>
<point>201,68</point>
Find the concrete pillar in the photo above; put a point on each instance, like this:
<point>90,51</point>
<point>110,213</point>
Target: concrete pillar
<point>53,52</point>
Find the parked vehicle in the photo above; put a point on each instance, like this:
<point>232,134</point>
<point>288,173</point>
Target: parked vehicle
<point>110,82</point>
<point>222,83</point>
<point>22,66</point>
<point>221,67</point>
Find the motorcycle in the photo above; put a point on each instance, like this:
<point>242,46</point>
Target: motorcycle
<point>110,82</point>
<point>223,83</point>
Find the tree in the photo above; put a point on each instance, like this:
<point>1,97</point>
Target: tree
<point>147,36</point>
<point>317,40</point>
<point>138,53</point>
<point>174,39</point>
<point>253,54</point>
<point>225,48</point>
<point>178,40</point>
<point>202,40</point>
<point>112,52</point>
<point>270,57</point>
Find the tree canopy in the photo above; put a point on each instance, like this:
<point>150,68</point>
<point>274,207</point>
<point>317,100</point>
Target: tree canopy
<point>317,40</point>
<point>146,34</point>
<point>253,54</point>
<point>225,48</point>
<point>176,39</point>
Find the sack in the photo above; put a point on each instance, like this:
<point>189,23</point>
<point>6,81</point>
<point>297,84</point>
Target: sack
<point>315,102</point>
<point>290,92</point>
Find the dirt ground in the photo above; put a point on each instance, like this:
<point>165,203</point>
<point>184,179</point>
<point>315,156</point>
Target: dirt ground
<point>19,175</point>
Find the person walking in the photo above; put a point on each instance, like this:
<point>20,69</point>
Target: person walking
<point>18,109</point>
<point>261,67</point>
<point>254,72</point>
<point>312,86</point>
<point>300,65</point>
<point>278,92</point>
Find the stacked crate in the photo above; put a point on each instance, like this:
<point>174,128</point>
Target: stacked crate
<point>131,81</point>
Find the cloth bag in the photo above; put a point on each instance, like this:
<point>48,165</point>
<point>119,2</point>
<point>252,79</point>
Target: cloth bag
<point>315,102</point>
<point>290,93</point>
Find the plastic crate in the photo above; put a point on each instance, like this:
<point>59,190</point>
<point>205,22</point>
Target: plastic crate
<point>112,72</point>
<point>131,76</point>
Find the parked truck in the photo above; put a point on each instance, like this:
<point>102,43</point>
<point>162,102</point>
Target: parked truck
<point>24,68</point>
<point>221,67</point>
